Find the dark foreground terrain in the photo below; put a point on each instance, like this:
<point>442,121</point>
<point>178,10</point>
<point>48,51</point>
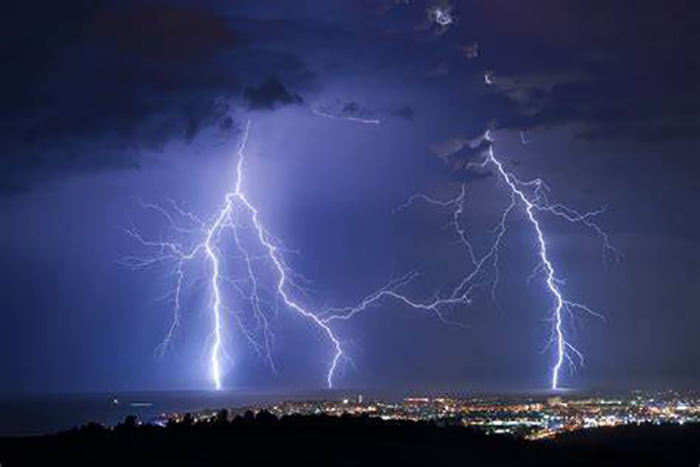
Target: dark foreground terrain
<point>357,441</point>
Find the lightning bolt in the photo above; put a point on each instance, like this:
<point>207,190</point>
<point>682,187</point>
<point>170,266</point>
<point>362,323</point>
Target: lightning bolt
<point>460,295</point>
<point>532,197</point>
<point>281,268</point>
<point>322,113</point>
<point>238,213</point>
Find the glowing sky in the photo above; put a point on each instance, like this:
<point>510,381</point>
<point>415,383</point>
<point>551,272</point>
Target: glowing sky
<point>106,103</point>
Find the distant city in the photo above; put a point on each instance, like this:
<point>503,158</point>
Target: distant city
<point>528,417</point>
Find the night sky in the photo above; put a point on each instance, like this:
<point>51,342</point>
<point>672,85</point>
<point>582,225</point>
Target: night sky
<point>106,105</point>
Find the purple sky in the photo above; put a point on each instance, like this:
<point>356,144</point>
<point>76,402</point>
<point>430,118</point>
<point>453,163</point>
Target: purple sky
<point>105,103</point>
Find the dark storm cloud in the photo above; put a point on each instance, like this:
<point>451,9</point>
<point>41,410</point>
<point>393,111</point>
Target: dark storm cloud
<point>624,70</point>
<point>457,152</point>
<point>353,109</point>
<point>87,84</point>
<point>270,95</point>
<point>463,156</point>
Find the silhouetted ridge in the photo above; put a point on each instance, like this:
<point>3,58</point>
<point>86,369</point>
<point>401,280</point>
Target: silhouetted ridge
<point>264,439</point>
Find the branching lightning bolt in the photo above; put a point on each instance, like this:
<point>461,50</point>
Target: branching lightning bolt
<point>533,198</point>
<point>280,266</point>
<point>237,214</point>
